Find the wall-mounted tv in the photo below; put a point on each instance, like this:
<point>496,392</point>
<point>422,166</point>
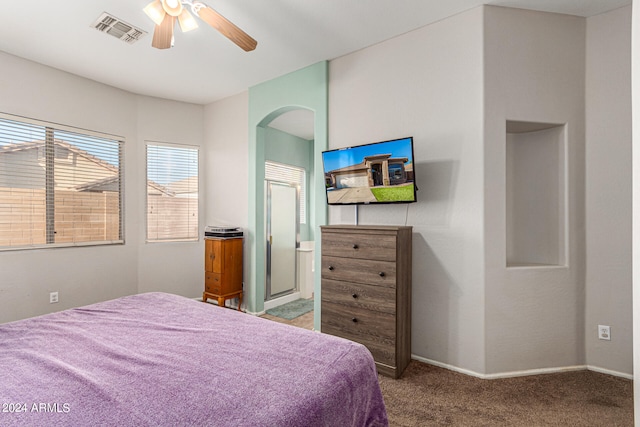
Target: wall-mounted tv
<point>381,172</point>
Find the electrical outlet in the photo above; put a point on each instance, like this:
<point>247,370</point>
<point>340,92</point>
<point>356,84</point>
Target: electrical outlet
<point>604,332</point>
<point>53,297</point>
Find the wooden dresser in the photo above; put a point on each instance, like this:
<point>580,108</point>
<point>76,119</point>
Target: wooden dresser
<point>223,269</point>
<point>366,290</point>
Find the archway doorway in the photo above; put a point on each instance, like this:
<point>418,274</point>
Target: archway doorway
<point>288,152</point>
<point>305,89</point>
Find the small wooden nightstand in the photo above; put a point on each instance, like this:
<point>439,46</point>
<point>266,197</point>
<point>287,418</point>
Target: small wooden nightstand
<point>223,269</point>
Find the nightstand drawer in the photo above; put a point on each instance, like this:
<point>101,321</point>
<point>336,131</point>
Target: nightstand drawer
<point>374,298</point>
<point>213,283</point>
<point>350,245</point>
<point>375,330</point>
<point>377,273</point>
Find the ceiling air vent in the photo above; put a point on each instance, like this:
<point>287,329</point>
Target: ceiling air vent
<point>111,25</point>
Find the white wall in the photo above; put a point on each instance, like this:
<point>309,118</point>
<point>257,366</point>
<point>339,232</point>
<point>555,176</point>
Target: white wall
<point>226,154</point>
<point>608,190</point>
<point>430,84</point>
<point>635,130</point>
<point>226,161</point>
<point>175,267</point>
<point>534,72</point>
<point>427,84</point>
<point>90,274</point>
<point>469,311</point>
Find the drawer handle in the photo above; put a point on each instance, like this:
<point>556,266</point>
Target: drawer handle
<point>355,246</point>
<point>354,320</point>
<point>355,296</point>
<point>381,274</point>
<point>331,268</point>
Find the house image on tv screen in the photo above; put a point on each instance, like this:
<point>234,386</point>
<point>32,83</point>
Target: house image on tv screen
<point>374,171</point>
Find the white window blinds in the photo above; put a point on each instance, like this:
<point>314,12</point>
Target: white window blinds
<point>59,186</point>
<point>289,174</point>
<point>172,192</point>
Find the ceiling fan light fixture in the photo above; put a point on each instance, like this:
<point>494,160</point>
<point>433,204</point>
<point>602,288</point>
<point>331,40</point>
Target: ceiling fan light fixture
<point>187,21</point>
<point>155,11</point>
<point>172,7</point>
<point>165,12</point>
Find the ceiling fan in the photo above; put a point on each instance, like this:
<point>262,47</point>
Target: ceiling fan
<point>165,12</point>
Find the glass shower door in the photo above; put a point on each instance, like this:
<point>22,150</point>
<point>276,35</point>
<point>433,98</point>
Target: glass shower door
<point>282,238</point>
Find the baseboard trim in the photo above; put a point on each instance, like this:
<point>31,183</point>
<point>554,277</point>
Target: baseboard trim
<point>610,372</point>
<point>254,313</point>
<point>523,373</point>
<point>447,366</point>
<point>276,302</point>
<point>511,374</point>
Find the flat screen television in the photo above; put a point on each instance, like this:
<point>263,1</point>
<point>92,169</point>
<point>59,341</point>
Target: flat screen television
<point>381,172</point>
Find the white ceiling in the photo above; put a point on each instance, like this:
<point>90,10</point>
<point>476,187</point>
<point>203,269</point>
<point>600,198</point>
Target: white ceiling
<point>204,66</point>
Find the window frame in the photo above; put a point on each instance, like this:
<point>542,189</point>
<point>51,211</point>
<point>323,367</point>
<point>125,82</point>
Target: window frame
<point>154,143</point>
<point>50,128</point>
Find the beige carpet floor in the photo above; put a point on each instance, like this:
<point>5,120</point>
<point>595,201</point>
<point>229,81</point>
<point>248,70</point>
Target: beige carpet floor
<point>426,395</point>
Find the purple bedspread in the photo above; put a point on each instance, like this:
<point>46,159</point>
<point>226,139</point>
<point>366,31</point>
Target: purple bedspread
<point>158,359</point>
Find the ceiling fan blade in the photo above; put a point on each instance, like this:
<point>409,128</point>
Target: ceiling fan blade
<point>163,33</point>
<point>227,28</point>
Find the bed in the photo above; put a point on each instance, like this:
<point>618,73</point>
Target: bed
<point>159,359</point>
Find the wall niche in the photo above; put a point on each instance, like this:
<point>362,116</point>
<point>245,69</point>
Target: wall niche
<point>536,194</point>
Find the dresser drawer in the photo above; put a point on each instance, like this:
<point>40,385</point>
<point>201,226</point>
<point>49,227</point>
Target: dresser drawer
<point>376,273</point>
<point>375,298</point>
<point>213,283</point>
<point>375,330</point>
<point>352,245</point>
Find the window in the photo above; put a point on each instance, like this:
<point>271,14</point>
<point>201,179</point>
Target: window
<point>289,174</point>
<point>172,192</point>
<point>59,186</point>
<point>396,171</point>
